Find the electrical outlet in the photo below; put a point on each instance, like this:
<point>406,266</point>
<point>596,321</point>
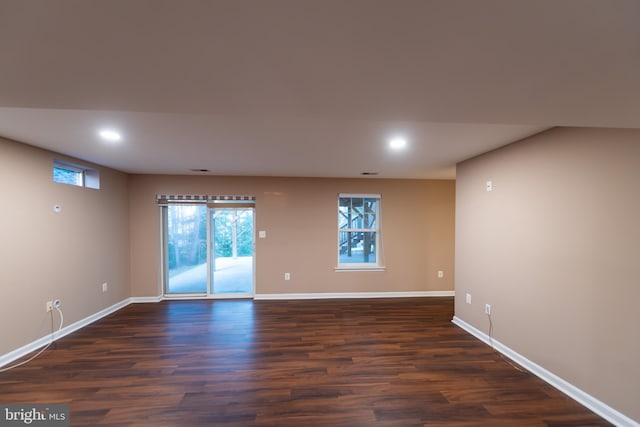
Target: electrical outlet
<point>468,298</point>
<point>487,309</point>
<point>105,287</point>
<point>440,274</point>
<point>56,303</point>
<point>287,276</point>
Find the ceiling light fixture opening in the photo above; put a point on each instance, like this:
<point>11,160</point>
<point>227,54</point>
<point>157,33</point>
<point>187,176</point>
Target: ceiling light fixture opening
<point>397,143</point>
<point>199,170</point>
<point>369,173</point>
<point>110,135</point>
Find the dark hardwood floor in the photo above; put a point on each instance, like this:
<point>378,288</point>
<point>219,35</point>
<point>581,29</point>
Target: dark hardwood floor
<point>377,362</point>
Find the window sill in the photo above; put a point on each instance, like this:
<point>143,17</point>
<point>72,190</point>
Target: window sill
<point>360,268</point>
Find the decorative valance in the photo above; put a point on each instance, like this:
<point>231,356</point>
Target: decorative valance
<point>164,199</point>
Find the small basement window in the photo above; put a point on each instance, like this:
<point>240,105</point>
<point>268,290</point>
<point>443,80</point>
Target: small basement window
<point>72,174</point>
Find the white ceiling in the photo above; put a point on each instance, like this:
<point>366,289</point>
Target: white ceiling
<point>311,87</point>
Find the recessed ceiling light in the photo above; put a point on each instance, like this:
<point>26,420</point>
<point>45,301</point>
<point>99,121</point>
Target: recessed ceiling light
<point>199,170</point>
<point>369,173</point>
<point>110,135</point>
<point>397,143</point>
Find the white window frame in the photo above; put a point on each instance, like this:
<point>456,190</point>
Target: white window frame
<point>368,266</point>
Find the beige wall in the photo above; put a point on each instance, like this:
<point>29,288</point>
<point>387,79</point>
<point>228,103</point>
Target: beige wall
<point>555,249</point>
<point>300,218</point>
<point>68,255</point>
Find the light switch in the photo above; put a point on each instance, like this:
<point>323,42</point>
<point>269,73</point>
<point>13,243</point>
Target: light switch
<point>262,234</point>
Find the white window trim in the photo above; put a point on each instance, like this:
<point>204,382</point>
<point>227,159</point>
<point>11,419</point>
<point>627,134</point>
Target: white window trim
<point>359,267</point>
<point>369,267</point>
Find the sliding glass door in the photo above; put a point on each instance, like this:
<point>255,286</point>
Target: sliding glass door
<point>232,254</point>
<point>186,249</point>
<point>208,250</point>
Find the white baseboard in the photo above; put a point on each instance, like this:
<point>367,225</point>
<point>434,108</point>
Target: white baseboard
<point>139,300</point>
<point>597,406</point>
<point>66,330</point>
<point>322,295</point>
<point>317,295</point>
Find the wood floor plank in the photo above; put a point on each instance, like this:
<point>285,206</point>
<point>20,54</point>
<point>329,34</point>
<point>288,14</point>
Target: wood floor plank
<point>376,362</point>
